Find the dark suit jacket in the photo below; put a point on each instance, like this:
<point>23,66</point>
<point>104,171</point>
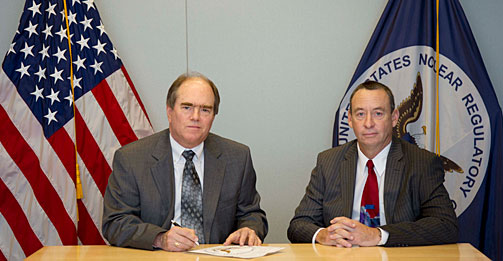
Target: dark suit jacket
<point>139,199</point>
<point>417,206</point>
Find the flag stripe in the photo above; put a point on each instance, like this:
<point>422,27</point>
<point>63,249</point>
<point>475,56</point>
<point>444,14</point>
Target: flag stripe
<point>113,113</point>
<point>65,149</point>
<point>97,124</point>
<point>93,199</point>
<point>14,215</point>
<point>29,164</point>
<point>93,202</point>
<point>22,191</point>
<point>88,232</point>
<point>91,154</point>
<point>9,246</point>
<point>2,257</point>
<point>129,103</point>
<point>133,89</point>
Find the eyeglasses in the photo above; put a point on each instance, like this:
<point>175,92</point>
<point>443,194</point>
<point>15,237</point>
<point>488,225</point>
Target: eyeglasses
<point>204,110</point>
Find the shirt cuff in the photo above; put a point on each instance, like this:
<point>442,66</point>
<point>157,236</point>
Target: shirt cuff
<point>384,237</point>
<point>315,234</point>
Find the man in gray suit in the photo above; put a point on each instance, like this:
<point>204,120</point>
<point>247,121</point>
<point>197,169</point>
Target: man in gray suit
<point>184,175</point>
<point>410,205</point>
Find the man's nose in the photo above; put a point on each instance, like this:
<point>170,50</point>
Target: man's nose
<point>195,114</point>
<point>369,121</point>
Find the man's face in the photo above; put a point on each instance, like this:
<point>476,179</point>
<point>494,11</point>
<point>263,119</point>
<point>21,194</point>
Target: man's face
<point>372,120</point>
<point>193,113</point>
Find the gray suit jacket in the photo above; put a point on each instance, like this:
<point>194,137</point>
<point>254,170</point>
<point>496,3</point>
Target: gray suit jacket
<point>417,206</point>
<point>139,199</point>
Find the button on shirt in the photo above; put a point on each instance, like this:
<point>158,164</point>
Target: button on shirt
<point>179,164</point>
<point>361,178</point>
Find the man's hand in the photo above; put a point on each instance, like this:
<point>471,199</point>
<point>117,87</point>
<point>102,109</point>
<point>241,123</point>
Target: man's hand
<point>345,232</point>
<point>356,233</point>
<point>176,239</point>
<point>334,235</point>
<point>243,236</point>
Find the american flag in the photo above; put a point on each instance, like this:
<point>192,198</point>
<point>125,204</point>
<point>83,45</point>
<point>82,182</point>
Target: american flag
<point>38,203</point>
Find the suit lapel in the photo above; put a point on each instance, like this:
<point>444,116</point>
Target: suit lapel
<point>393,178</point>
<point>348,177</point>
<point>214,171</point>
<point>162,173</point>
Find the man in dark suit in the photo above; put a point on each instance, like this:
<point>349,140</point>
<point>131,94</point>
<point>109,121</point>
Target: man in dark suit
<point>377,189</point>
<point>184,175</point>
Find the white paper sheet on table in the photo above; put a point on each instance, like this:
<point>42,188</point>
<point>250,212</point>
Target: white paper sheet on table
<point>238,251</point>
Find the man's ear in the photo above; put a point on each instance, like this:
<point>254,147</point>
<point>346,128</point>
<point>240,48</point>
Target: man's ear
<point>350,122</point>
<point>169,112</point>
<point>394,117</point>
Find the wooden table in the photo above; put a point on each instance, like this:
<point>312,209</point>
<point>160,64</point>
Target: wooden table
<point>291,252</point>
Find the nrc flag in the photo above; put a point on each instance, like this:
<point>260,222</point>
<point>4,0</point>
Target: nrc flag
<point>402,55</point>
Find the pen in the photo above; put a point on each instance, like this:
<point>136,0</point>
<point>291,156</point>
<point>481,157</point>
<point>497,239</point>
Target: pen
<point>174,223</point>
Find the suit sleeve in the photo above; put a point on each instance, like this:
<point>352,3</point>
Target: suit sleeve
<point>437,222</point>
<point>248,213</point>
<point>308,216</point>
<point>122,225</point>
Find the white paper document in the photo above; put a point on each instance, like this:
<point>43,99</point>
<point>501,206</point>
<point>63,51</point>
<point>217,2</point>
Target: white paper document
<point>238,251</point>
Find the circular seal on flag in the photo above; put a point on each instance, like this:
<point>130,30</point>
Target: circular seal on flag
<point>464,125</point>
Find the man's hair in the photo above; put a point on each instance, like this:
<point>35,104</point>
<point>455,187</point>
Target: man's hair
<point>173,90</point>
<point>373,85</point>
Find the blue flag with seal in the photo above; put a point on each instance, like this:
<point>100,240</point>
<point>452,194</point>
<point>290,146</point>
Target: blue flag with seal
<point>402,55</point>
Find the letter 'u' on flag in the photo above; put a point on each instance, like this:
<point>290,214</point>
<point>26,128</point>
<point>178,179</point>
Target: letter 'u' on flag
<point>402,55</point>
<point>45,129</point>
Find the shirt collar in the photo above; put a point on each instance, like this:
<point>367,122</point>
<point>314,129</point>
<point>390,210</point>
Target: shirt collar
<point>379,160</point>
<point>178,149</point>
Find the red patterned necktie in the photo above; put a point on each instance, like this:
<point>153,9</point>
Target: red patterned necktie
<point>369,211</point>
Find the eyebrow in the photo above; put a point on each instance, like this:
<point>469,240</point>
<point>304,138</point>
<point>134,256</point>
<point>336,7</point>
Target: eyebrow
<point>376,108</point>
<point>191,104</point>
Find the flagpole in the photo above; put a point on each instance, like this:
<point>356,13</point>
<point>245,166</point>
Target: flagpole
<point>77,172</point>
<point>437,119</point>
<point>186,37</point>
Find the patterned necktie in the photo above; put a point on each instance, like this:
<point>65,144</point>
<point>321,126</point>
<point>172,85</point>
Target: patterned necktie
<point>192,199</point>
<point>369,212</point>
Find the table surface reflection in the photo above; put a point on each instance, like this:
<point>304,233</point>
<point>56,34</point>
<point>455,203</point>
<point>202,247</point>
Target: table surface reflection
<point>290,252</point>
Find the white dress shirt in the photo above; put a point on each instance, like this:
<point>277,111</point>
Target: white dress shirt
<point>179,164</point>
<point>361,178</point>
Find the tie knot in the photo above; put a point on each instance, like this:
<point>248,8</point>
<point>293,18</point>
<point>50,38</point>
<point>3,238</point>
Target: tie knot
<point>188,154</point>
<point>370,164</point>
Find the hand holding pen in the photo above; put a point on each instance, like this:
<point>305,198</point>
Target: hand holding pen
<point>176,239</point>
<point>174,223</point>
